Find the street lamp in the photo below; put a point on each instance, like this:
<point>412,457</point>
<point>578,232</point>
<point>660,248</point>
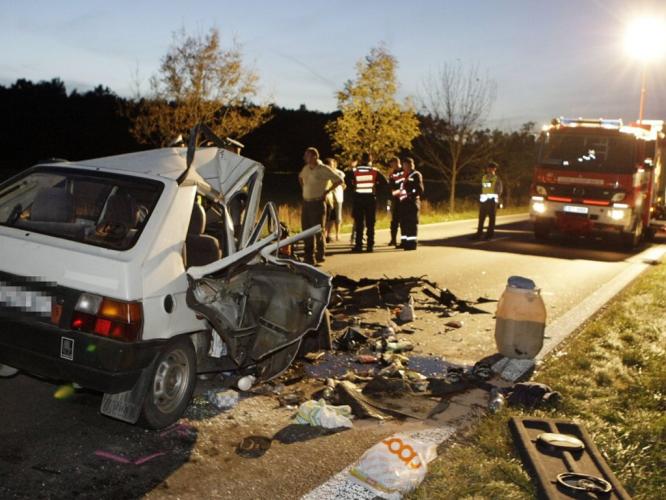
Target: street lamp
<point>645,40</point>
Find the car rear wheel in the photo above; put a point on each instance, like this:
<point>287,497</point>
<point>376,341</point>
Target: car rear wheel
<point>171,385</point>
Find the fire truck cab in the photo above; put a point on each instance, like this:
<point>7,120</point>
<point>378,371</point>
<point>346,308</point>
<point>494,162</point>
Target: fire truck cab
<point>598,177</point>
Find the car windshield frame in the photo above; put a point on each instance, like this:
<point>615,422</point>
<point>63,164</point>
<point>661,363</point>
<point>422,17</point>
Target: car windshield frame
<point>596,152</point>
<point>103,237</point>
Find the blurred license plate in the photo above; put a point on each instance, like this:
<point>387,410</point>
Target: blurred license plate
<point>572,209</point>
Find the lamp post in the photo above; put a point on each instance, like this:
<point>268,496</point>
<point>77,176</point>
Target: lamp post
<point>645,40</point>
<point>641,106</point>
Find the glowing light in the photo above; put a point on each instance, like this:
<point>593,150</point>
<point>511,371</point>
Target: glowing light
<point>645,38</point>
<point>539,207</point>
<point>617,214</point>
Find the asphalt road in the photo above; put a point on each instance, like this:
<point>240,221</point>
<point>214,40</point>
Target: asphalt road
<point>49,448</point>
<point>566,270</point>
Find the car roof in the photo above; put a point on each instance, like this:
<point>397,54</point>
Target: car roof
<point>167,163</point>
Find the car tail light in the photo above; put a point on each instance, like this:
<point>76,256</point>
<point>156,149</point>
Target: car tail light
<point>108,317</point>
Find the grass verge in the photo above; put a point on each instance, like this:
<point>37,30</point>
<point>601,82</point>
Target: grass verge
<point>612,376</point>
<point>290,214</point>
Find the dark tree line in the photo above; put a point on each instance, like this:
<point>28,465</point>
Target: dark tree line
<point>42,120</point>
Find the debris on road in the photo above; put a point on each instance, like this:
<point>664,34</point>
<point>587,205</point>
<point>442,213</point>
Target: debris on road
<point>292,399</point>
<point>223,400</point>
<point>253,446</point>
<point>367,358</point>
<point>347,393</point>
<point>514,370</point>
<point>320,414</point>
<point>350,295</point>
<point>351,339</point>
<point>496,400</point>
<point>245,383</point>
<point>533,395</point>
<point>396,465</point>
<point>406,314</point>
<point>314,356</point>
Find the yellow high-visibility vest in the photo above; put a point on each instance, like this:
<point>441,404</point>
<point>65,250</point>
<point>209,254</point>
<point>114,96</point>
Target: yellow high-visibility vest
<point>489,188</point>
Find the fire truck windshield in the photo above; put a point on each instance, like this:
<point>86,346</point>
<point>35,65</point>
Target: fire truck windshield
<point>588,152</point>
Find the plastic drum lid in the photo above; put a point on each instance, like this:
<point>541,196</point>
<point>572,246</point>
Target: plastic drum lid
<point>521,283</point>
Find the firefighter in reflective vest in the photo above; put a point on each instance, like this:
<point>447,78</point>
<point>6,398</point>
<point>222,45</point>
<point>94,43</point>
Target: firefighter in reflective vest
<point>410,204</point>
<point>396,178</point>
<point>365,179</point>
<point>491,191</point>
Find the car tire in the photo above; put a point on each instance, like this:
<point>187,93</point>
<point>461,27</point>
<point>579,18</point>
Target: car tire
<point>171,385</point>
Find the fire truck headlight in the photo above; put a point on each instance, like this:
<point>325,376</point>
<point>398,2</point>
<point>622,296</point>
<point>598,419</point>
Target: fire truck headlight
<point>619,196</point>
<point>538,206</point>
<point>617,214</point>
<point>541,190</point>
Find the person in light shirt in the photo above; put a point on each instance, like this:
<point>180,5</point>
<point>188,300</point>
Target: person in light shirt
<point>316,180</point>
<point>334,202</point>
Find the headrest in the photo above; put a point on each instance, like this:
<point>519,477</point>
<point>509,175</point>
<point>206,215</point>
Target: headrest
<point>52,205</point>
<point>120,209</point>
<point>197,221</point>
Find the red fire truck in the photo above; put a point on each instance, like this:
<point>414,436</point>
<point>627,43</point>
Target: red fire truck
<point>599,177</point>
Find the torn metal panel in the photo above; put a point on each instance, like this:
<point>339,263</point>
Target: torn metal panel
<point>263,311</point>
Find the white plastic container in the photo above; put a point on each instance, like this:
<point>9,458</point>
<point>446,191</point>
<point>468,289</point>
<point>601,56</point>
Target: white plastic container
<point>520,320</point>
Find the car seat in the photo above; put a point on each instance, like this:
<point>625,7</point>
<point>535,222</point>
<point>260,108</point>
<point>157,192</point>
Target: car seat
<point>52,205</point>
<point>200,249</point>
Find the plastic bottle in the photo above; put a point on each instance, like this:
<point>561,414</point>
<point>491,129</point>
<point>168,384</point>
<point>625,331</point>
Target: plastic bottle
<point>496,401</point>
<point>520,320</point>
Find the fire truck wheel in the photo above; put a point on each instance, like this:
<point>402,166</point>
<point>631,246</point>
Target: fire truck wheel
<point>541,230</point>
<point>171,385</point>
<point>632,239</point>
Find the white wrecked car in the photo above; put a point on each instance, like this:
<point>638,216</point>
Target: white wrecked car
<point>131,274</point>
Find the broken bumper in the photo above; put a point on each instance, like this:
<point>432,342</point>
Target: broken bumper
<point>96,363</point>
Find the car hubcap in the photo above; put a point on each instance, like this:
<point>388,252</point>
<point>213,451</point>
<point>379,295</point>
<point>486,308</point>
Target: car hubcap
<point>172,378</point>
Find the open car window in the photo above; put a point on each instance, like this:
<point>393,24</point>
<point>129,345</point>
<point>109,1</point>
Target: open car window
<point>95,208</point>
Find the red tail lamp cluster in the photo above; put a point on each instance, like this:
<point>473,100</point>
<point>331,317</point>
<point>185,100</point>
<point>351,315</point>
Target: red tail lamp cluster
<point>108,317</point>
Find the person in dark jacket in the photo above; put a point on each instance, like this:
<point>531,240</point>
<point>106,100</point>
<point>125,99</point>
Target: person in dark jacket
<point>365,179</point>
<point>410,204</point>
<point>396,177</point>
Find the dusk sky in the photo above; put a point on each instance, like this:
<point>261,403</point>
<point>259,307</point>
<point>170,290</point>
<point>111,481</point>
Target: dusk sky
<point>549,58</point>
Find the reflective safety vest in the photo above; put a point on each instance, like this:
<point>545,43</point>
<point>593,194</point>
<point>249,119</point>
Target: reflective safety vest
<point>489,188</point>
<point>365,178</point>
<point>411,186</point>
<point>396,179</point>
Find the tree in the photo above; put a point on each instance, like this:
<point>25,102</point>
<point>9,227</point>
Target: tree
<point>517,156</point>
<point>372,119</point>
<point>199,81</point>
<point>455,103</point>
